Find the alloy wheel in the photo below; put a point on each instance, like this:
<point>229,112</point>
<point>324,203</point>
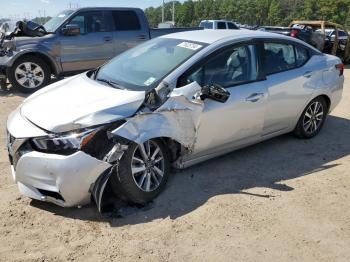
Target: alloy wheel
<point>148,166</point>
<point>29,75</point>
<point>313,117</point>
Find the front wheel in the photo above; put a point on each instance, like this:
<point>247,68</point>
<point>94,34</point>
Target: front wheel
<point>28,74</point>
<point>142,172</point>
<point>312,119</point>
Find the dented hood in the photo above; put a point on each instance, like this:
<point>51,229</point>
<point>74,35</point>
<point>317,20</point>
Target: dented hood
<point>79,102</point>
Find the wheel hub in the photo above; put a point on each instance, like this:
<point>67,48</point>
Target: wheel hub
<point>147,166</point>
<point>29,75</point>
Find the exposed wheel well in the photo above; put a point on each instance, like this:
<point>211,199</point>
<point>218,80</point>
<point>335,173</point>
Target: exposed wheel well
<point>47,60</point>
<point>173,146</point>
<point>327,99</point>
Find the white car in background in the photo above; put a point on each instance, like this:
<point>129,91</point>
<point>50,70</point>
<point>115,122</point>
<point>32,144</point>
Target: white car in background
<point>218,24</point>
<point>176,100</point>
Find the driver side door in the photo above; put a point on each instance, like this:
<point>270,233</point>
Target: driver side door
<point>92,47</point>
<point>240,119</point>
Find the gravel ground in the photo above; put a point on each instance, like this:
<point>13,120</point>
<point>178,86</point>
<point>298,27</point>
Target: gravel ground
<point>281,200</point>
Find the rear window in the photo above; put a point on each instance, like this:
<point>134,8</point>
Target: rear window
<point>126,21</point>
<point>302,55</point>
<point>278,57</point>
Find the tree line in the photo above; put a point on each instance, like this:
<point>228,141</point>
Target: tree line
<point>252,12</point>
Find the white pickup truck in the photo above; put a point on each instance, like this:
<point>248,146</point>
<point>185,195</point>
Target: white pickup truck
<point>218,24</point>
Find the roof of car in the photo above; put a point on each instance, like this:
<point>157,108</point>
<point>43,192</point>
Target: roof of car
<point>211,36</point>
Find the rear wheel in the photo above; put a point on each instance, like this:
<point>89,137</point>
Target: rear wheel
<point>28,74</point>
<point>142,172</point>
<point>312,119</point>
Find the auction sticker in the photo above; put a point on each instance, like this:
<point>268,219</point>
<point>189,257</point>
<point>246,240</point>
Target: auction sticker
<point>189,45</point>
<point>149,81</point>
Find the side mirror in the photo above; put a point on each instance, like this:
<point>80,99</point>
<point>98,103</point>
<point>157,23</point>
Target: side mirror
<point>215,92</point>
<point>71,30</point>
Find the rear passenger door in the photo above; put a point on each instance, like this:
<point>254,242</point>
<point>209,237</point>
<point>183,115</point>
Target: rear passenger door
<point>129,30</point>
<point>287,78</point>
<point>92,47</point>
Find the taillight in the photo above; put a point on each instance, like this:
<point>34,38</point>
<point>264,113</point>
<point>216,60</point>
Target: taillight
<point>340,67</point>
<point>294,33</point>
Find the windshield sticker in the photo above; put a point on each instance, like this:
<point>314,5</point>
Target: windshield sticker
<point>61,15</point>
<point>189,45</point>
<point>149,81</point>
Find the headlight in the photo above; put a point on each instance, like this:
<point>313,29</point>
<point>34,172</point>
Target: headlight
<point>67,143</point>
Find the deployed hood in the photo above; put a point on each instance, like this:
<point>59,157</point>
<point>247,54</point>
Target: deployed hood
<point>79,102</point>
<point>23,33</point>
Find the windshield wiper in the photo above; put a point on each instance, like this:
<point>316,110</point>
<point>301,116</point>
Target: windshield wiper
<point>110,83</point>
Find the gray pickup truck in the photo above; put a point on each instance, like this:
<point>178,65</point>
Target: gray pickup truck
<point>71,42</point>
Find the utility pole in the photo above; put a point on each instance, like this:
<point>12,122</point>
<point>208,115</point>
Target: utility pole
<point>40,21</point>
<point>174,13</point>
<point>163,12</point>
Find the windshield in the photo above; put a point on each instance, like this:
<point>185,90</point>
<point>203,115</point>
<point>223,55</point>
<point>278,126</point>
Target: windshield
<point>53,24</point>
<point>206,25</point>
<point>143,67</point>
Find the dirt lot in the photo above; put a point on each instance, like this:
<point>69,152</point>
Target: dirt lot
<point>281,200</point>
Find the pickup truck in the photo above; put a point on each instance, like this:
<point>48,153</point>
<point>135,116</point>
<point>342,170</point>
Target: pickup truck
<point>218,24</point>
<point>75,40</point>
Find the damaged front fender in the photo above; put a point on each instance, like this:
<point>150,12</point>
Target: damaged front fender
<point>178,118</point>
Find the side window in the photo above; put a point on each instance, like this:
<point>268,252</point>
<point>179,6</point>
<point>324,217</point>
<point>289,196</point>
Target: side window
<point>342,33</point>
<point>231,26</point>
<point>221,25</point>
<point>80,21</point>
<point>302,55</point>
<point>278,57</point>
<point>90,22</point>
<point>96,22</point>
<point>231,67</point>
<point>126,21</point>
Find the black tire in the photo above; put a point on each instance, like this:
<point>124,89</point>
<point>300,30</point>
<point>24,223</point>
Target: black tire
<point>302,129</point>
<point>25,88</point>
<point>125,186</point>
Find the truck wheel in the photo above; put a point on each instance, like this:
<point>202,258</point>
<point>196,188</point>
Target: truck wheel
<point>28,74</point>
<point>142,172</point>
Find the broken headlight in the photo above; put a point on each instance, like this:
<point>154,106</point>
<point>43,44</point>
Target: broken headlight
<point>67,143</point>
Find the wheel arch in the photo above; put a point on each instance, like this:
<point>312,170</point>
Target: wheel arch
<point>323,95</point>
<point>45,57</point>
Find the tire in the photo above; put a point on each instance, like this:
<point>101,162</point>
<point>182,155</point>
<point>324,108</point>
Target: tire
<point>131,185</point>
<point>28,74</point>
<point>312,119</point>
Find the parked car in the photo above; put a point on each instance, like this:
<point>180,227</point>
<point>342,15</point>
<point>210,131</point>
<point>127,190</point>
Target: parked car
<point>176,100</point>
<point>304,33</point>
<point>218,24</point>
<point>330,39</point>
<point>73,41</point>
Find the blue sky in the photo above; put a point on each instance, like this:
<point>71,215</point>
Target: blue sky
<point>19,8</point>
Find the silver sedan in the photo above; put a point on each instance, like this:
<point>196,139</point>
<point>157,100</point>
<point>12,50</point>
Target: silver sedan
<point>173,101</point>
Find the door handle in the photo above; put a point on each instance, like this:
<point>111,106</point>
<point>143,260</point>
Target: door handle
<point>308,74</point>
<point>254,97</point>
<point>107,38</point>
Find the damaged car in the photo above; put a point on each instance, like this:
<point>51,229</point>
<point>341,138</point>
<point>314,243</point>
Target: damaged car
<point>174,101</point>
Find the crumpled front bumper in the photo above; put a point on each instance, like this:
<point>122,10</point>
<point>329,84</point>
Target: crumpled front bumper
<point>63,180</point>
